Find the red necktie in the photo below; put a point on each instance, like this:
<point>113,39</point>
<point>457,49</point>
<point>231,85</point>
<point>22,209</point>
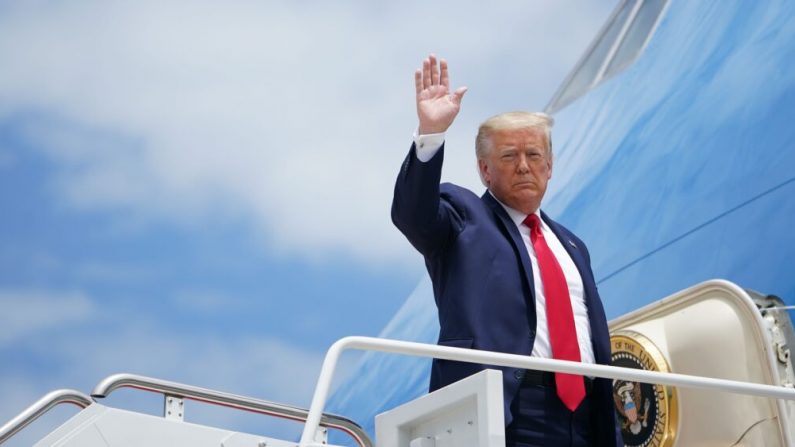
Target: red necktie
<point>560,318</point>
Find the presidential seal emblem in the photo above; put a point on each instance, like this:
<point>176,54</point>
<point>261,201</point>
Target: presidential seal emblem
<point>648,414</point>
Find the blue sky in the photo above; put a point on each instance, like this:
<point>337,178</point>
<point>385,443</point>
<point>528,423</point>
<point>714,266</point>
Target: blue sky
<point>200,191</point>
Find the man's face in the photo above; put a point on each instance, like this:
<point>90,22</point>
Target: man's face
<point>518,167</point>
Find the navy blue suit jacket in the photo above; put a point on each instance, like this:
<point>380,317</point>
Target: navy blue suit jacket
<point>483,280</point>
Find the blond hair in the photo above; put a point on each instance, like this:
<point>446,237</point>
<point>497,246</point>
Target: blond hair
<point>511,121</point>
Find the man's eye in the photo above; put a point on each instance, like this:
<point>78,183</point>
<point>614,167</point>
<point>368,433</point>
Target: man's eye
<point>508,156</point>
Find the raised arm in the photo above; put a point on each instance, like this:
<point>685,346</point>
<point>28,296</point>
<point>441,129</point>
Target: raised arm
<point>436,106</point>
<point>417,208</point>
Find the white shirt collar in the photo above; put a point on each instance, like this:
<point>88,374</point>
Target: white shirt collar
<point>518,217</point>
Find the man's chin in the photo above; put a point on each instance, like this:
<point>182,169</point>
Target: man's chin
<point>526,202</point>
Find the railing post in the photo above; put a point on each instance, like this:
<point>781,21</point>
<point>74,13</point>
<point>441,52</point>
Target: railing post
<point>173,407</point>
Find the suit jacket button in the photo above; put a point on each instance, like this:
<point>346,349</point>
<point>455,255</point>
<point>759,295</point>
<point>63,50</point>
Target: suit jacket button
<point>519,374</point>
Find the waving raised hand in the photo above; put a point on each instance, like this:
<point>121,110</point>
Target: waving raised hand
<point>437,107</point>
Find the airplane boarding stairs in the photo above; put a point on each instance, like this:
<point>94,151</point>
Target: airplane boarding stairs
<point>706,366</point>
<point>100,425</point>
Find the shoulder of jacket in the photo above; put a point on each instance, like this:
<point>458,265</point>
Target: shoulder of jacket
<point>568,233</point>
<point>457,192</point>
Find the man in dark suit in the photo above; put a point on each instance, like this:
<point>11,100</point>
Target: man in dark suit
<point>505,276</point>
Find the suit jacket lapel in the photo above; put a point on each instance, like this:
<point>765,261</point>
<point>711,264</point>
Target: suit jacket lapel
<point>516,240</point>
<point>568,244</point>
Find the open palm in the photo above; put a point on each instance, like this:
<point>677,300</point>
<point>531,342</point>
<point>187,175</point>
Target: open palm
<point>436,106</point>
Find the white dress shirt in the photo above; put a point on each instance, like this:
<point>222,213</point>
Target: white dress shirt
<point>426,147</point>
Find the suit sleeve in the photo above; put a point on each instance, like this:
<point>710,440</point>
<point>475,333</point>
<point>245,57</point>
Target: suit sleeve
<point>427,220</point>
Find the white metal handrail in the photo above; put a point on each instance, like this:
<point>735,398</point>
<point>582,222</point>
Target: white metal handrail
<point>515,361</point>
<point>116,381</point>
<point>40,407</point>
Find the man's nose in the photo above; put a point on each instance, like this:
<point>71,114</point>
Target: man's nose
<point>522,166</point>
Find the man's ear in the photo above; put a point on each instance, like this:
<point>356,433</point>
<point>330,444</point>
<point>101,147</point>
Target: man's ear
<point>549,171</point>
<point>483,170</point>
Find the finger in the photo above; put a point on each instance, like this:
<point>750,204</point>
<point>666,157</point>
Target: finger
<point>434,70</point>
<point>458,95</point>
<point>418,81</point>
<point>426,73</point>
<point>444,77</point>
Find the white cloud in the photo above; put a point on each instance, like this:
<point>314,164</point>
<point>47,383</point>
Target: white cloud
<point>295,116</point>
<point>27,312</point>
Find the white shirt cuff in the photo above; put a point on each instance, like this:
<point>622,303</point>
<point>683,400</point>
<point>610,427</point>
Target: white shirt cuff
<point>428,145</point>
